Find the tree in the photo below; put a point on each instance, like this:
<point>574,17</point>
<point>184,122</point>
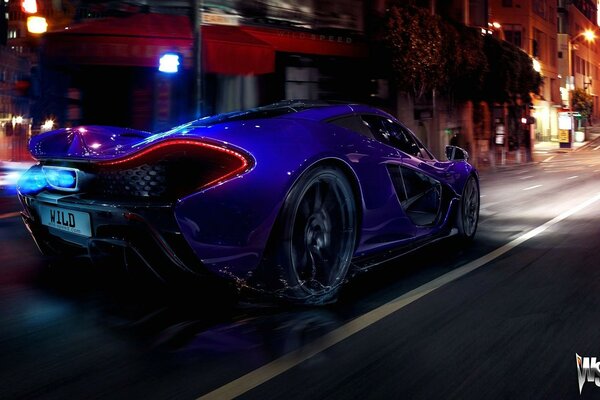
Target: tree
<point>511,75</point>
<point>582,102</point>
<point>465,64</point>
<point>414,38</point>
<point>429,53</point>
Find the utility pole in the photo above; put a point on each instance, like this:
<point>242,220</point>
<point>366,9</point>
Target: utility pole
<point>198,84</point>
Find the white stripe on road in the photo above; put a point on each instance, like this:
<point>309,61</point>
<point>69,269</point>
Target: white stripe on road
<point>532,187</point>
<point>278,366</point>
<point>573,177</point>
<point>526,177</point>
<point>597,147</point>
<point>548,159</point>
<point>10,215</point>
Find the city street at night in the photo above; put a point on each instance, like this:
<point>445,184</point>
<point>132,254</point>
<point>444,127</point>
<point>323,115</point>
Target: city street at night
<point>502,318</point>
<point>299,199</point>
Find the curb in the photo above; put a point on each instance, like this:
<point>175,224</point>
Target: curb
<point>590,143</point>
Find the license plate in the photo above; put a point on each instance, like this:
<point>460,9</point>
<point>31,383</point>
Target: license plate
<point>75,222</point>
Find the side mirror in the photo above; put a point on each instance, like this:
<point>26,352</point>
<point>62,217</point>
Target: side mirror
<point>456,153</point>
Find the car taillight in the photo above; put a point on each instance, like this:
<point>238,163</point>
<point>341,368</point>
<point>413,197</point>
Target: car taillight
<point>188,165</point>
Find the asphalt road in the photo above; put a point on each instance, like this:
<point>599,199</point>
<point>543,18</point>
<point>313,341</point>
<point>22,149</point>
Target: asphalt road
<point>502,318</point>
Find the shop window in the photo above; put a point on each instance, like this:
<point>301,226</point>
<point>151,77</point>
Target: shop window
<point>236,93</point>
<point>302,83</point>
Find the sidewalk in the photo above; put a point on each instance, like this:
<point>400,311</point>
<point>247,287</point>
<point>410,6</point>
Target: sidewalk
<point>541,151</point>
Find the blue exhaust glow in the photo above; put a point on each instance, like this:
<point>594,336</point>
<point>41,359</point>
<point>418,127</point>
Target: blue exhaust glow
<point>32,181</point>
<point>61,178</point>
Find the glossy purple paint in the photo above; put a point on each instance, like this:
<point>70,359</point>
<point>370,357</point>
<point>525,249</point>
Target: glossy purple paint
<point>229,225</point>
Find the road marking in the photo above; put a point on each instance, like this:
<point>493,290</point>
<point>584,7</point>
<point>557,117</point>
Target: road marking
<point>597,147</point>
<point>10,215</point>
<point>280,365</point>
<point>573,177</point>
<point>549,158</point>
<point>526,177</point>
<point>532,187</point>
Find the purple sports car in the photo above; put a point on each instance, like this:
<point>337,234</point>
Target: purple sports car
<point>292,197</point>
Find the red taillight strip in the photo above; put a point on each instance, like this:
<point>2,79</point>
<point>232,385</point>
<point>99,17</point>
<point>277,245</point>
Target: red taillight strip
<point>178,142</point>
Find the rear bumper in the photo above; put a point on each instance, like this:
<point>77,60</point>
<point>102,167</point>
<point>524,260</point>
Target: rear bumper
<point>135,235</point>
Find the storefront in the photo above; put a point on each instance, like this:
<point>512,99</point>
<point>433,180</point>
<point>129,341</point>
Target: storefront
<point>106,71</point>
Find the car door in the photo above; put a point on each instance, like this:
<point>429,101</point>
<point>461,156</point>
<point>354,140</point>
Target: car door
<point>416,179</point>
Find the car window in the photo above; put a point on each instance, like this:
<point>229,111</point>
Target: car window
<point>406,137</point>
<point>354,123</point>
<point>394,134</point>
<point>375,125</point>
<point>426,154</point>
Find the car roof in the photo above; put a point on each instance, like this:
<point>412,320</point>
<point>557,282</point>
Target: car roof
<point>317,110</point>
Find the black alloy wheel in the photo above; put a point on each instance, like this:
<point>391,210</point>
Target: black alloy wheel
<point>468,210</point>
<point>316,237</point>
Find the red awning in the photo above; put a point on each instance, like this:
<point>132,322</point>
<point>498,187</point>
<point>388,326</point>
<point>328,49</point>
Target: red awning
<point>138,40</point>
<point>141,39</point>
<point>303,42</point>
<point>229,50</point>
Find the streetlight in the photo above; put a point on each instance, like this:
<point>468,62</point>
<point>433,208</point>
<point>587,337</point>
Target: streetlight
<point>589,36</point>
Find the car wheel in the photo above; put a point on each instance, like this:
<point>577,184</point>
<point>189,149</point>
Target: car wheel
<point>317,230</point>
<point>468,210</point>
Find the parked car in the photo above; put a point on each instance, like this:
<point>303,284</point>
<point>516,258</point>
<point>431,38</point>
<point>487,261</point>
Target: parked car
<point>293,197</point>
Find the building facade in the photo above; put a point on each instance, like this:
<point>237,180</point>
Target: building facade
<point>532,26</point>
<point>578,57</point>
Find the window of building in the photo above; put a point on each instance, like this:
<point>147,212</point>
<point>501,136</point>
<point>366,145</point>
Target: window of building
<point>539,7</point>
<point>513,34</point>
<point>554,91</point>
<point>539,45</point>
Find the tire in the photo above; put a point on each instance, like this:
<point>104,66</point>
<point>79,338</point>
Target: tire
<point>467,216</point>
<point>315,237</point>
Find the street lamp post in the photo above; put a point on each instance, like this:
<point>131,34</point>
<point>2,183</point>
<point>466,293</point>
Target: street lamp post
<point>198,84</point>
